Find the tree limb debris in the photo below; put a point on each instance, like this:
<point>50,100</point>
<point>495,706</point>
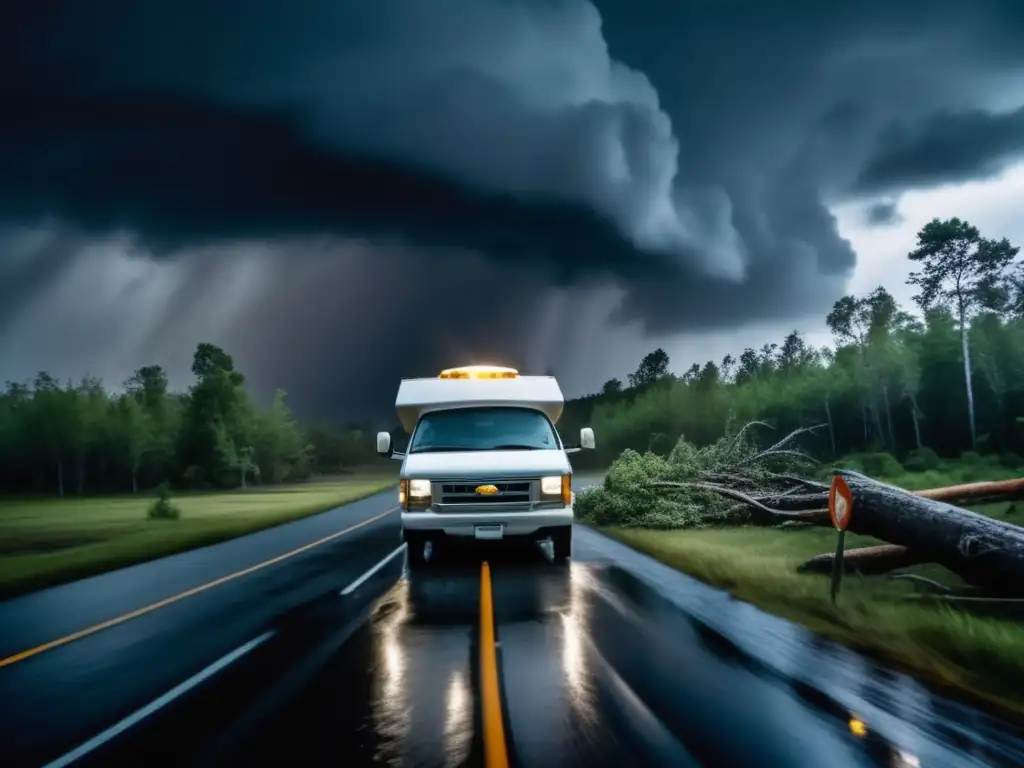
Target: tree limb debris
<point>867,561</point>
<point>920,527</point>
<point>734,481</point>
<point>760,512</point>
<point>925,585</point>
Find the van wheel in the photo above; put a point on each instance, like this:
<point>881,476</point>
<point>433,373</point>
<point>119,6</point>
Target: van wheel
<point>414,552</point>
<point>562,541</point>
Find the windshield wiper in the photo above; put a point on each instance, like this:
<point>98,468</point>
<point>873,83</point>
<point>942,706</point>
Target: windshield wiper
<point>443,448</point>
<point>515,447</point>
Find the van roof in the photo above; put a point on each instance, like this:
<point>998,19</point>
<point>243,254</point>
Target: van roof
<point>419,396</point>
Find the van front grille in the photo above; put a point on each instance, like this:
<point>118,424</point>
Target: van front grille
<point>466,493</point>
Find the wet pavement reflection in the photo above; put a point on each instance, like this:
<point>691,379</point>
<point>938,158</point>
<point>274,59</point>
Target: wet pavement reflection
<point>597,667</point>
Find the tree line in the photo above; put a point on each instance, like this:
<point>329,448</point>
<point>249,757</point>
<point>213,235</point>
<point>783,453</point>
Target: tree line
<point>63,437</point>
<point>947,378</point>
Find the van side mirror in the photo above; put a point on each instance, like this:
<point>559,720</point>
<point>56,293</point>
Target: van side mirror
<point>384,444</point>
<point>587,439</point>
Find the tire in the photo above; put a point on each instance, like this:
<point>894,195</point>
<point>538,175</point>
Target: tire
<point>562,544</point>
<point>414,552</point>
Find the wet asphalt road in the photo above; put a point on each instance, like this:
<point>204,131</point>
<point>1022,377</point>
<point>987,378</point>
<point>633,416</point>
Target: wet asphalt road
<point>613,660</point>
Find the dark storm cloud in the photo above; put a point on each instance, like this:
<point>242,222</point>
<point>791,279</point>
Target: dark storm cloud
<point>372,346</point>
<point>946,147</point>
<point>882,214</point>
<point>685,151</point>
<point>187,173</point>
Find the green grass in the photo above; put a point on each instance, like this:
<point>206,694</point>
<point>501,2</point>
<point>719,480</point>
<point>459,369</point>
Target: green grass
<point>44,542</point>
<point>940,478</point>
<point>978,658</point>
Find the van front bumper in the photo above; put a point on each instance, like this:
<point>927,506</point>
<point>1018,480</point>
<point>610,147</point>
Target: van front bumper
<point>464,522</point>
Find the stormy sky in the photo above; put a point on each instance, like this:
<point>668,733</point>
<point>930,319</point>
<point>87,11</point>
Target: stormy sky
<point>342,193</point>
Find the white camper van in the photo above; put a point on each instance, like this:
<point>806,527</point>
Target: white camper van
<point>484,461</point>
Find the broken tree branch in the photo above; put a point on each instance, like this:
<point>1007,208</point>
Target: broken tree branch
<point>758,510</point>
<point>929,585</point>
<point>867,561</point>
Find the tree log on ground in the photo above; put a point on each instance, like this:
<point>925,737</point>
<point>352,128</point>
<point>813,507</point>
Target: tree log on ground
<point>867,561</point>
<point>890,557</point>
<point>977,493</point>
<point>968,493</point>
<point>984,552</point>
<point>776,507</point>
<point>690,488</point>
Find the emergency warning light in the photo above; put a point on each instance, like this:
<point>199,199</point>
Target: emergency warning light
<point>479,372</point>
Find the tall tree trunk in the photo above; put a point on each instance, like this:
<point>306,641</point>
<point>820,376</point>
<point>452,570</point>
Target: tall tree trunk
<point>60,477</point>
<point>967,378</point>
<point>917,422</point>
<point>831,426</point>
<point>997,391</point>
<point>81,475</point>
<point>888,417</point>
<point>864,421</point>
<point>135,480</point>
<point>876,421</point>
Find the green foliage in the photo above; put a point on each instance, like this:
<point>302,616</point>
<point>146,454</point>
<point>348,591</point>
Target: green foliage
<point>653,367</point>
<point>632,498</point>
<point>163,508</point>
<point>892,387</point>
<point>628,499</point>
<point>959,266</point>
<point>971,459</point>
<point>611,387</point>
<point>894,381</point>
<point>922,460</point>
<point>879,464</point>
<point>1011,460</point>
<point>66,437</point>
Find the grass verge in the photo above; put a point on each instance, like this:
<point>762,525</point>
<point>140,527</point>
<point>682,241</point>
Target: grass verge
<point>975,658</point>
<point>45,542</point>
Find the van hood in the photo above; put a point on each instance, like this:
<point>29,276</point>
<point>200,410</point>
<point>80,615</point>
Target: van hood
<point>466,465</point>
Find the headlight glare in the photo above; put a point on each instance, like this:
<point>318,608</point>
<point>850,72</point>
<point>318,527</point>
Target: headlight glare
<point>414,494</point>
<point>419,489</point>
<point>551,486</point>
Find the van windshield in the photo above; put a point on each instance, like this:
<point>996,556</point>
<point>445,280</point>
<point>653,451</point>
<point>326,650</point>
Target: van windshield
<point>484,429</point>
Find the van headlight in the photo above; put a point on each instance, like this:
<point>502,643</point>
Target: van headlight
<point>414,494</point>
<point>556,488</point>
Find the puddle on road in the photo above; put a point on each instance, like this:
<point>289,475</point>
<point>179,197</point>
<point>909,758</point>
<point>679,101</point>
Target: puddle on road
<point>833,679</point>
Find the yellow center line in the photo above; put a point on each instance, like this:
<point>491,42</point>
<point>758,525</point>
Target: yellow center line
<point>182,595</point>
<point>495,749</point>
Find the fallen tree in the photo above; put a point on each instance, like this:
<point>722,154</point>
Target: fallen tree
<point>883,558</point>
<point>732,481</point>
<point>983,552</point>
<point>919,528</point>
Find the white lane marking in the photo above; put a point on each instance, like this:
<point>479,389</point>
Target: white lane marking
<point>118,728</point>
<point>358,582</point>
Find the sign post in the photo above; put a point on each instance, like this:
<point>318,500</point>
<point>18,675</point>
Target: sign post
<point>840,509</point>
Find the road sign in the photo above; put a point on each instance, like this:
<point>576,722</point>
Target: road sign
<point>840,503</point>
